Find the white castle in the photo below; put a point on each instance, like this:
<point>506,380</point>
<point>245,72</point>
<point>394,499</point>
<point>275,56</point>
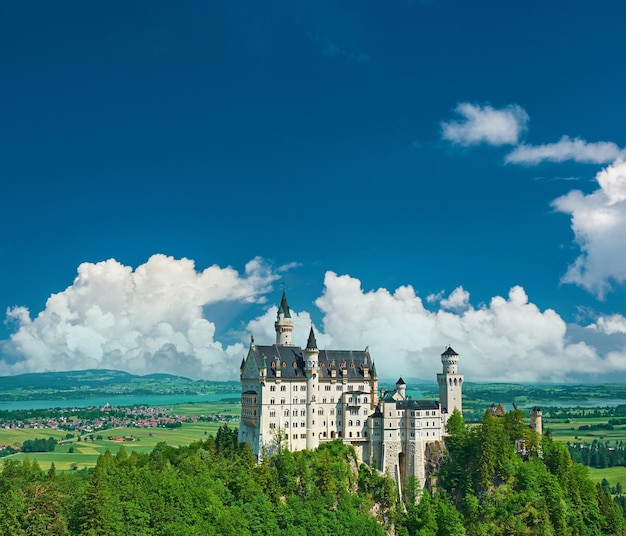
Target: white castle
<point>310,396</point>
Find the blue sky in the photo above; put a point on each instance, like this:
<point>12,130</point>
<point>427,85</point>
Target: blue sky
<point>467,154</point>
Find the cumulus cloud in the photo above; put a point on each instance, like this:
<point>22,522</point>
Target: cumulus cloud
<point>576,150</point>
<point>508,339</point>
<point>610,324</point>
<point>485,124</point>
<point>146,320</point>
<point>154,319</point>
<point>599,225</point>
<point>458,299</point>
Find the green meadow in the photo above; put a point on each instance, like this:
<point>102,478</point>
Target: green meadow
<point>86,451</point>
<point>568,431</point>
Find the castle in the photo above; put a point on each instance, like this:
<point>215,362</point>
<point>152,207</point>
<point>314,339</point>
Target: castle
<point>304,397</point>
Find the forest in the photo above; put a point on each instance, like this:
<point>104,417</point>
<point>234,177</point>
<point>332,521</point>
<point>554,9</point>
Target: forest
<point>496,478</point>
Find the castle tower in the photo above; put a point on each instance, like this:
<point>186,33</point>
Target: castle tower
<point>535,420</point>
<point>450,383</point>
<point>373,378</point>
<point>310,355</point>
<point>401,388</point>
<point>284,323</point>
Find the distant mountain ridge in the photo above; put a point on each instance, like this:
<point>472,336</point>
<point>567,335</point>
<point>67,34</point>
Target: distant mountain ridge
<point>93,382</point>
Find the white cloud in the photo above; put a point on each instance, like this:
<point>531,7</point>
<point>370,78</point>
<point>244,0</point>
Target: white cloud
<point>485,124</point>
<point>599,225</point>
<point>510,339</point>
<point>610,324</point>
<point>458,299</point>
<point>142,321</point>
<point>576,150</point>
<point>153,319</point>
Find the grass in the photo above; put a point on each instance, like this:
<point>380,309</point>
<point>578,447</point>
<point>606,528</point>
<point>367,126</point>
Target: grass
<point>612,474</point>
<point>563,431</point>
<point>86,453</point>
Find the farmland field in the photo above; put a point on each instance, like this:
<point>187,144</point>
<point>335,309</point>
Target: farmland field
<point>86,451</point>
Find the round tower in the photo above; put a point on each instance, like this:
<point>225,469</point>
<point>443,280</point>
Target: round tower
<point>284,323</point>
<point>311,354</point>
<point>450,383</point>
<point>401,388</point>
<point>535,420</point>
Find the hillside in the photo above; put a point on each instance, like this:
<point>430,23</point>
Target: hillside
<point>88,383</point>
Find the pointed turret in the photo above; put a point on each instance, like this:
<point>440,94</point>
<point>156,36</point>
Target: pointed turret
<point>284,323</point>
<point>401,388</point>
<point>311,343</point>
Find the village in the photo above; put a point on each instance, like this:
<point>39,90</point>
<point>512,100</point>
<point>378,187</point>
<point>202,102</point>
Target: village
<point>82,423</point>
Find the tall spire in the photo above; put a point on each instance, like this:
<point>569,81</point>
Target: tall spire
<point>284,306</point>
<point>284,323</point>
<point>311,343</point>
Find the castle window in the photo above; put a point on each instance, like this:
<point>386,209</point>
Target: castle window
<point>327,387</point>
<point>286,413</point>
<point>272,388</point>
<point>324,434</point>
<point>303,388</point>
<point>303,413</point>
<point>358,423</point>
<point>332,399</point>
<point>313,398</point>
<point>350,434</point>
<point>272,413</point>
<point>303,401</point>
<point>283,387</point>
<point>295,387</point>
<point>273,364</point>
<point>295,365</point>
<point>295,400</point>
<point>358,434</point>
<point>282,400</point>
<point>295,425</point>
<point>320,411</point>
<point>350,387</point>
<point>332,411</point>
<point>272,425</point>
<point>302,436</point>
<point>303,424</point>
<point>349,423</point>
<point>365,433</point>
<point>365,400</point>
<point>271,400</point>
<point>286,424</point>
<point>283,364</point>
<point>338,387</point>
<point>323,401</point>
<point>360,388</point>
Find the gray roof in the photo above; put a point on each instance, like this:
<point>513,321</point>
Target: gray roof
<point>410,403</point>
<point>289,360</point>
<point>449,351</point>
